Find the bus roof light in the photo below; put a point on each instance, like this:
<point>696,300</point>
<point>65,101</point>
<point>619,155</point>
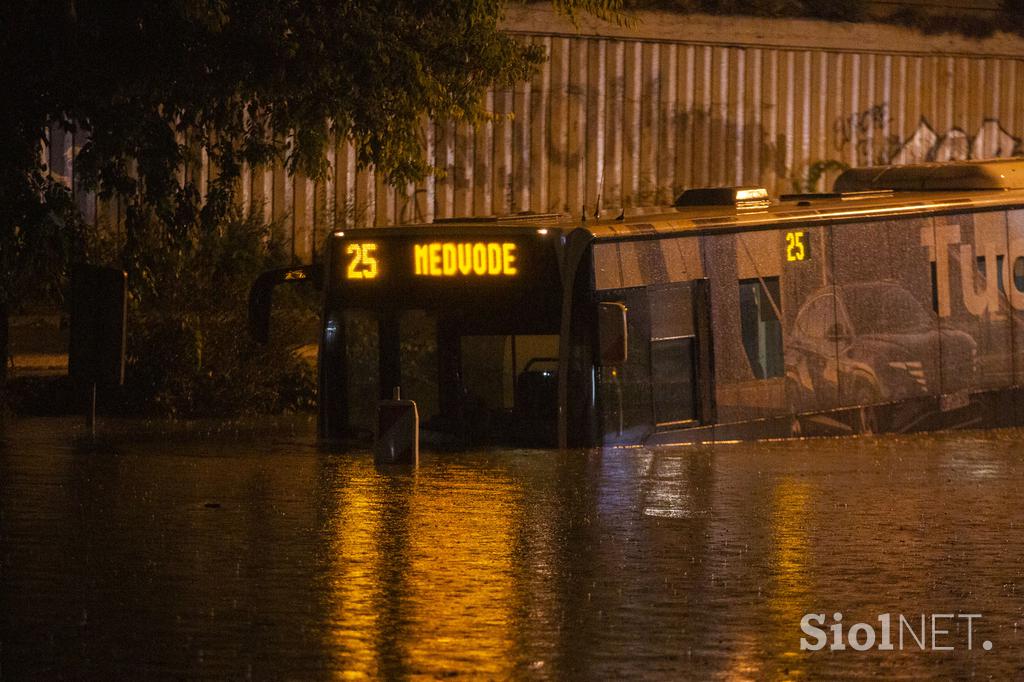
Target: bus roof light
<point>740,197</point>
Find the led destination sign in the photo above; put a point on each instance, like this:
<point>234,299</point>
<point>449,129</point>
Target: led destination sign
<point>510,275</point>
<point>470,259</point>
<point>453,259</point>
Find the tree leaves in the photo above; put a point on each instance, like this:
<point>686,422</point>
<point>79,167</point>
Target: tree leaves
<point>153,82</point>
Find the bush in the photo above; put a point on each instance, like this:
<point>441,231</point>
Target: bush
<point>189,352</point>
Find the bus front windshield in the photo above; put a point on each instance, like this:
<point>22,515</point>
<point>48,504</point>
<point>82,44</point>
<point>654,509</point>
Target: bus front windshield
<point>474,383</point>
<point>465,323</point>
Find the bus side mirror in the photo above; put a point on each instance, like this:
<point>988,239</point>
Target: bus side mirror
<point>261,295</point>
<point>612,337</point>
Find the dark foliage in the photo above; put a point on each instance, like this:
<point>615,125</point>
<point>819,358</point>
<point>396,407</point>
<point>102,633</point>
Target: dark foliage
<point>189,353</point>
<point>155,81</point>
<point>840,10</point>
<point>933,24</point>
<point>41,231</point>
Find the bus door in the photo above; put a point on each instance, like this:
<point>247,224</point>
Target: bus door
<point>665,381</point>
<point>680,355</point>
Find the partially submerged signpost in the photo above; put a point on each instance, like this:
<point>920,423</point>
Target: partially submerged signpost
<point>96,357</point>
<point>397,437</point>
<point>4,342</point>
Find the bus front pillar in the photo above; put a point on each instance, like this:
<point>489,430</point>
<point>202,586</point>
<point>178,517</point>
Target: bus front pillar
<point>390,369</point>
<point>449,368</point>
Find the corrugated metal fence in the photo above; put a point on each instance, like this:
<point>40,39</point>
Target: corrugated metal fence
<point>633,121</point>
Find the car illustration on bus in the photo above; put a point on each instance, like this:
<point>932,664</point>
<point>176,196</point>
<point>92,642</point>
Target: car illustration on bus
<point>875,342</point>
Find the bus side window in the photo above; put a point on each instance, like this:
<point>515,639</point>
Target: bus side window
<point>760,310</point>
<point>612,334</point>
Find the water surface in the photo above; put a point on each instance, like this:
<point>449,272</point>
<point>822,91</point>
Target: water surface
<point>248,553</point>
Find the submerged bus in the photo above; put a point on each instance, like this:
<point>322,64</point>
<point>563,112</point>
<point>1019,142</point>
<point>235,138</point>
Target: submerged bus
<point>893,304</point>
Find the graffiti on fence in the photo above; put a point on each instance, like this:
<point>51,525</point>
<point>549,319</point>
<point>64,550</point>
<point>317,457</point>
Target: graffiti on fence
<point>868,132</point>
<point>925,144</point>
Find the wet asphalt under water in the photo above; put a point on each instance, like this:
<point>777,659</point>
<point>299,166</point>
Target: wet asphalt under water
<point>248,553</point>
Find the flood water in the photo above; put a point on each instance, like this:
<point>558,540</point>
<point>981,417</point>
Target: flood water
<point>250,554</point>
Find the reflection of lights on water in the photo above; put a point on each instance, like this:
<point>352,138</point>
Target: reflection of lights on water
<point>786,595</point>
<point>668,495</point>
<point>423,572</point>
<point>975,468</point>
<point>461,577</point>
<point>787,599</point>
<point>356,566</point>
<point>788,516</point>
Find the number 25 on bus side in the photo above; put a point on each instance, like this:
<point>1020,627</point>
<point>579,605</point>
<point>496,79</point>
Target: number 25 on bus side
<point>796,247</point>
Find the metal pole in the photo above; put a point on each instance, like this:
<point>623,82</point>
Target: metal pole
<point>4,342</point>
<point>90,413</point>
<point>515,369</point>
<point>390,354</point>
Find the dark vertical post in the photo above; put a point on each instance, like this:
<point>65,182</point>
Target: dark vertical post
<point>449,368</point>
<point>579,422</point>
<point>333,373</point>
<point>397,436</point>
<point>515,369</point>
<point>90,413</point>
<point>390,371</point>
<point>4,342</point>
<point>96,353</point>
